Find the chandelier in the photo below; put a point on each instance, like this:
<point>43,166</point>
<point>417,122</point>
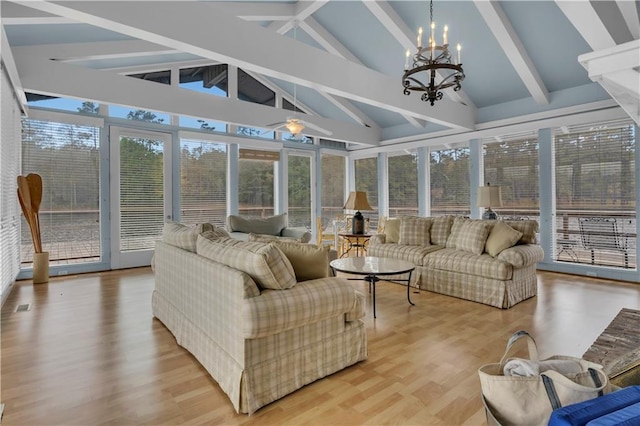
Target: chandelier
<point>431,64</point>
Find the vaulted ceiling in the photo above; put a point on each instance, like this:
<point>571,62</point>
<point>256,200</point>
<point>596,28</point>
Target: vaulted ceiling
<point>344,57</point>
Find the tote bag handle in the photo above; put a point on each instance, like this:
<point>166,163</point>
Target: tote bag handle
<point>531,345</point>
<point>600,380</point>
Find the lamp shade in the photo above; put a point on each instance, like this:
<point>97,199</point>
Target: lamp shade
<point>489,196</point>
<point>357,201</point>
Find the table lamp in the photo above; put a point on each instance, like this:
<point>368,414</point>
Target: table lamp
<point>489,196</point>
<point>357,201</point>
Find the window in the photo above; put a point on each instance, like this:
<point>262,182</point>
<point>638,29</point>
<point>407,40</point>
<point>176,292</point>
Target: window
<point>449,176</point>
<point>333,184</point>
<point>595,195</point>
<point>211,79</point>
<point>512,164</point>
<point>256,182</point>
<point>162,77</point>
<point>9,208</point>
<point>139,114</point>
<point>203,182</point>
<point>66,104</point>
<point>198,123</point>
<point>299,209</point>
<point>251,90</point>
<point>403,185</point>
<point>67,157</point>
<point>366,174</point>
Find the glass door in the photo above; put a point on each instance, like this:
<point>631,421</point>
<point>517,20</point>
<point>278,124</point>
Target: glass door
<point>140,194</point>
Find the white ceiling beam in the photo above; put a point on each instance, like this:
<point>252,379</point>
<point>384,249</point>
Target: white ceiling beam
<point>584,18</point>
<point>254,48</point>
<point>630,12</point>
<point>56,78</point>
<point>303,10</point>
<point>332,45</point>
<point>383,11</point>
<point>325,39</point>
<point>15,14</point>
<point>98,50</point>
<point>617,69</point>
<point>261,11</point>
<point>505,34</point>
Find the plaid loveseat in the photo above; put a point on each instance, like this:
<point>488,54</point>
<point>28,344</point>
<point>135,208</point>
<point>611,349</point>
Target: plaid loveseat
<point>486,261</point>
<point>259,332</point>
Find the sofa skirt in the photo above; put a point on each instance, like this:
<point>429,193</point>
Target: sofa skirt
<point>498,293</point>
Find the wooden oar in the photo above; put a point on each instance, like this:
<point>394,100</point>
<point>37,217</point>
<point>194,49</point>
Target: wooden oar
<point>25,202</point>
<point>35,192</point>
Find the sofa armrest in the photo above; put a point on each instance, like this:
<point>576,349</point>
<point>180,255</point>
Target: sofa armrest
<point>275,311</point>
<point>377,239</point>
<point>522,255</point>
<point>298,233</point>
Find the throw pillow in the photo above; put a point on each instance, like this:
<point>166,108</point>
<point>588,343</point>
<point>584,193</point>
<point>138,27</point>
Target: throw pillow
<point>456,226</point>
<point>392,230</point>
<point>180,235</point>
<point>440,229</point>
<point>414,231</point>
<point>270,226</point>
<point>262,238</point>
<point>501,237</point>
<point>309,261</point>
<point>528,229</point>
<point>215,233</point>
<point>473,236</point>
<point>265,263</point>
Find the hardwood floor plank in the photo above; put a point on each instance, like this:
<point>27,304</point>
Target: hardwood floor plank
<point>90,352</point>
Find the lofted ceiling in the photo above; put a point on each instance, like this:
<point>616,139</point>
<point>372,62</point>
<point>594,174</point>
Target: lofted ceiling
<point>345,59</point>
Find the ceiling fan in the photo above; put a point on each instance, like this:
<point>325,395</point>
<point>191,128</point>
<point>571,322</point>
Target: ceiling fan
<point>294,124</point>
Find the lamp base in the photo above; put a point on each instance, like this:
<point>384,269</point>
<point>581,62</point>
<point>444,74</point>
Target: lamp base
<point>357,224</point>
<point>489,215</point>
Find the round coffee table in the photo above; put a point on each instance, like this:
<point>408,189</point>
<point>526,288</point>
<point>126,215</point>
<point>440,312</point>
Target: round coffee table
<point>373,268</point>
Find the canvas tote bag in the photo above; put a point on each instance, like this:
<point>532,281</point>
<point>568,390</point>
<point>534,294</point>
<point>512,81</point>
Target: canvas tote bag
<point>516,400</point>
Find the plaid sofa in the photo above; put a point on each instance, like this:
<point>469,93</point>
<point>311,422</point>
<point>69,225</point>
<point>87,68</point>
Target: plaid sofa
<point>451,257</point>
<point>259,344</point>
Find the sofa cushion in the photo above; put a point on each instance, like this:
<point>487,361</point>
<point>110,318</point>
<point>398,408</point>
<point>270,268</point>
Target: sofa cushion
<point>392,230</point>
<point>415,231</point>
<point>473,236</point>
<point>309,261</point>
<point>528,229</point>
<point>465,262</point>
<point>263,238</point>
<point>265,263</point>
<point>440,229</point>
<point>270,226</point>
<point>413,254</point>
<point>183,236</point>
<point>456,226</point>
<point>501,237</point>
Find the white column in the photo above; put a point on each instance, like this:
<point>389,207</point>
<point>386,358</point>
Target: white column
<point>476,175</point>
<point>547,185</point>
<point>233,155</point>
<point>424,182</point>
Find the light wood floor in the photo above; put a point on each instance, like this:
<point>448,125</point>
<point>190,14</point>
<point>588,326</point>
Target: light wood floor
<point>90,352</point>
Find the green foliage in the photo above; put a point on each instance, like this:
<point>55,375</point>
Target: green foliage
<point>142,115</point>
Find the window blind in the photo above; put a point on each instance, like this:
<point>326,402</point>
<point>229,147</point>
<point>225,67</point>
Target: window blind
<point>9,209</point>
<point>403,185</point>
<point>256,182</point>
<point>333,184</point>
<point>67,157</point>
<point>299,211</point>
<point>366,177</point>
<point>449,177</point>
<point>203,182</point>
<point>595,183</point>
<point>512,164</point>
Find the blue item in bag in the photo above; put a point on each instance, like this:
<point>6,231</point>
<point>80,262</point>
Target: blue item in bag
<point>628,416</point>
<point>584,412</point>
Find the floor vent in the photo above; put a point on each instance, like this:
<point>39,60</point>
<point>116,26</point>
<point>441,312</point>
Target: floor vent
<point>23,308</point>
